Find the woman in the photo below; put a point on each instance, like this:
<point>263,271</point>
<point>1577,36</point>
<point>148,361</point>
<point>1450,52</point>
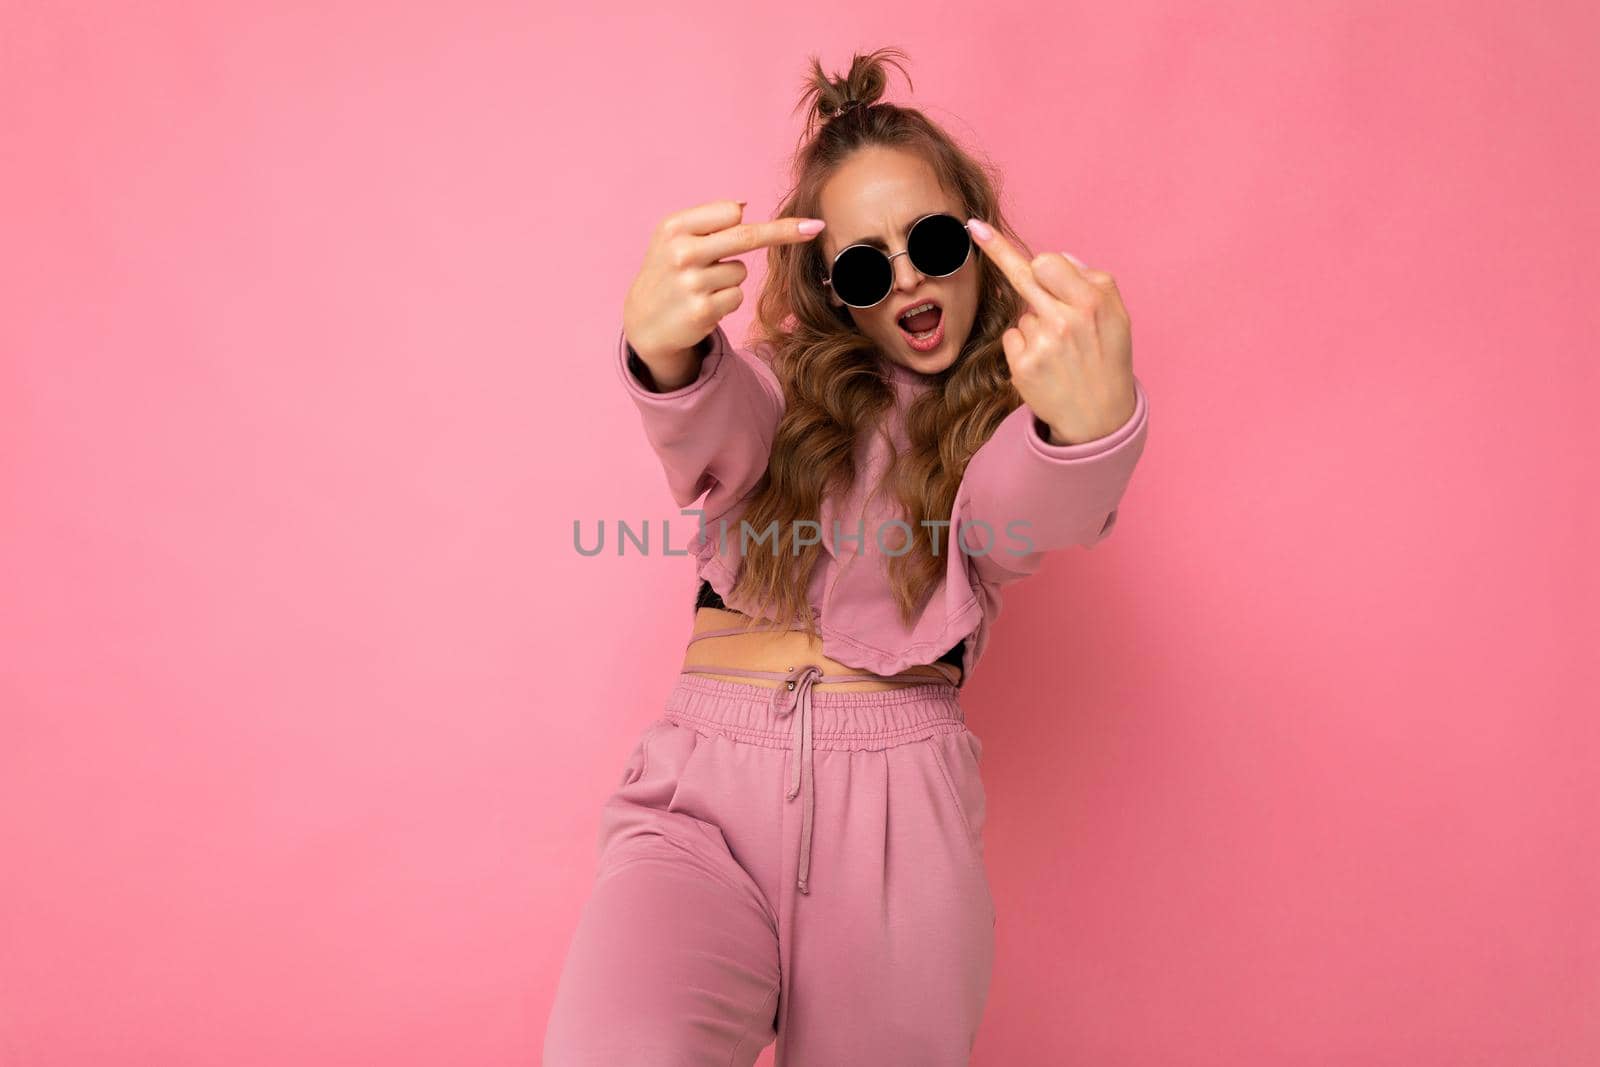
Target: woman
<point>795,849</point>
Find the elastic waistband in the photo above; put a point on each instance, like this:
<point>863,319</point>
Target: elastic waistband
<point>840,719</point>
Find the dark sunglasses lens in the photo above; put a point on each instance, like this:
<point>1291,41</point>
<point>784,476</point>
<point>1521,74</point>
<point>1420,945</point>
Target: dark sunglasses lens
<point>862,276</point>
<point>938,245</point>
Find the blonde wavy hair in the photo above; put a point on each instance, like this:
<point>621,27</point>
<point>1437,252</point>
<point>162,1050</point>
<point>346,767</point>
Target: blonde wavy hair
<point>832,386</point>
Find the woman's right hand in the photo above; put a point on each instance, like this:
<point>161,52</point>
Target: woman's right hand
<point>683,288</point>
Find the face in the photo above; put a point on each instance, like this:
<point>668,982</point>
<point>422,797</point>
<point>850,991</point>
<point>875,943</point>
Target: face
<point>874,197</point>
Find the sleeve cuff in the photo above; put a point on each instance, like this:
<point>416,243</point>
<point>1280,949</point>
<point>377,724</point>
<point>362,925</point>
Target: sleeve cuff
<point>631,368</point>
<point>1039,441</point>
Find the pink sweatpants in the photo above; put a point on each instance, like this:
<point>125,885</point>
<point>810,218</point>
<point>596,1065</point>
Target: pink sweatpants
<point>696,947</point>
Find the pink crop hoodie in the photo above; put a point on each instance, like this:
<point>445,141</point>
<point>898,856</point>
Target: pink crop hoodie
<point>714,436</point>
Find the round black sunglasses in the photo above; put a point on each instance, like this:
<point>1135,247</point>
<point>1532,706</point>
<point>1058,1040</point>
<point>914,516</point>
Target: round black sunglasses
<point>863,275</point>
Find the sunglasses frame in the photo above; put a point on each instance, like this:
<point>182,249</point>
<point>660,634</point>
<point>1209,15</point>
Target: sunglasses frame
<point>890,256</point>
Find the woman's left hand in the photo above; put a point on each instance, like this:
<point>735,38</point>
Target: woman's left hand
<point>1071,352</point>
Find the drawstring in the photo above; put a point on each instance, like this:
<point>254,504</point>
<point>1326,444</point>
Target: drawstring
<point>795,699</point>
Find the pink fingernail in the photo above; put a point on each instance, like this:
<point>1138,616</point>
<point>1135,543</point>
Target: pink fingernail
<point>980,229</point>
<point>1076,262</point>
<point>811,226</point>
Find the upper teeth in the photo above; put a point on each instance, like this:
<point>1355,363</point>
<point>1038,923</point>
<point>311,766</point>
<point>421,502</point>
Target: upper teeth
<point>919,309</point>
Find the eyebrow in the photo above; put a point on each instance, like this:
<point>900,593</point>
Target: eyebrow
<point>878,242</point>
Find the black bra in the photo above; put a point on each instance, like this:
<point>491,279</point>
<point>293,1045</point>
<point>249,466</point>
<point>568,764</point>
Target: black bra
<point>708,597</point>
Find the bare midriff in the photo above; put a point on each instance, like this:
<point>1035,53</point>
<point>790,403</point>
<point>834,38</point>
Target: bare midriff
<point>783,650</point>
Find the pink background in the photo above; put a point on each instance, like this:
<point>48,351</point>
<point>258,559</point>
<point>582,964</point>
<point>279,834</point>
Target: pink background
<point>309,704</point>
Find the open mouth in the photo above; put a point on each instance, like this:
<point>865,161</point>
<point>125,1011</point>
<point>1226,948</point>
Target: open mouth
<point>921,322</point>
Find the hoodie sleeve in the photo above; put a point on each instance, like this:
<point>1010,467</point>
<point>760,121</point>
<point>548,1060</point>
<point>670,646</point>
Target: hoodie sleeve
<point>713,435</point>
<point>1023,496</point>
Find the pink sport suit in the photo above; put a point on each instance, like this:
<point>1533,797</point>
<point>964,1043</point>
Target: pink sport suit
<point>780,863</point>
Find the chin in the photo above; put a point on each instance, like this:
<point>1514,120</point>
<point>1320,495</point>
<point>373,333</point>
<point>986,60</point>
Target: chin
<point>934,365</point>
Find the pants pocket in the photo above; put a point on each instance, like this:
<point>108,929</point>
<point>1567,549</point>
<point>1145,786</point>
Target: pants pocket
<point>958,754</point>
<point>639,758</point>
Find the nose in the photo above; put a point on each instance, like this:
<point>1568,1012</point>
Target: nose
<point>906,277</point>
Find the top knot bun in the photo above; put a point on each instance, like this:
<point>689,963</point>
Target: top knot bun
<point>855,92</point>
